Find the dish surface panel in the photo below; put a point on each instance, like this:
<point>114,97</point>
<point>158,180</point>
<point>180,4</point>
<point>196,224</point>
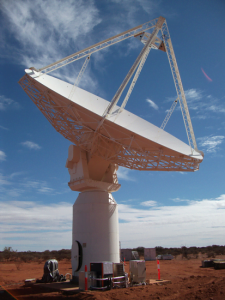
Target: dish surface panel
<point>121,137</point>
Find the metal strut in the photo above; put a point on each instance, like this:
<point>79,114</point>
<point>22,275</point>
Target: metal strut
<point>143,60</point>
<point>169,114</point>
<point>133,68</point>
<point>116,98</point>
<point>179,87</point>
<point>101,45</point>
<point>79,77</point>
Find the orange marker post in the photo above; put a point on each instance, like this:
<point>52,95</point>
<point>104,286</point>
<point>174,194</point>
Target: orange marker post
<point>158,265</point>
<point>86,282</point>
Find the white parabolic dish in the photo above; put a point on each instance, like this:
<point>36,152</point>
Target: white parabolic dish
<point>124,138</point>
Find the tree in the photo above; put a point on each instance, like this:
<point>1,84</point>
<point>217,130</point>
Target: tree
<point>7,252</point>
<point>184,252</point>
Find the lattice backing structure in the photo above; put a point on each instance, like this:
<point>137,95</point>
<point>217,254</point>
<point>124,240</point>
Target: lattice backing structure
<point>112,143</point>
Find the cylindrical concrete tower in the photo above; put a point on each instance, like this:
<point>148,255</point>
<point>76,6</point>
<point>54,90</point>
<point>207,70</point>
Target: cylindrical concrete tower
<point>95,230</point>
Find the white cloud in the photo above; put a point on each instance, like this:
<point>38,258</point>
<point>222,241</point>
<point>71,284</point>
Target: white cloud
<point>50,25</point>
<point>31,145</point>
<point>2,127</point>
<point>35,226</point>
<point>4,180</point>
<point>45,190</point>
<point>193,94</point>
<point>149,203</point>
<point>152,104</point>
<point>215,108</point>
<point>149,6</point>
<point>40,226</point>
<point>15,174</point>
<point>39,186</point>
<point>32,184</point>
<point>15,185</point>
<point>46,31</point>
<point>210,143</point>
<point>70,75</point>
<point>198,223</point>
<point>2,155</point>
<point>14,192</point>
<point>130,10</point>
<point>180,200</point>
<point>124,174</point>
<point>203,105</point>
<point>23,212</point>
<point>7,103</point>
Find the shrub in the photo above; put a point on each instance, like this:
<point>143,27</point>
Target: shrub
<point>211,254</point>
<point>7,253</point>
<point>46,255</point>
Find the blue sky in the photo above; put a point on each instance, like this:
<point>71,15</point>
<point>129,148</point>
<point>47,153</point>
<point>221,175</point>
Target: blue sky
<point>170,209</point>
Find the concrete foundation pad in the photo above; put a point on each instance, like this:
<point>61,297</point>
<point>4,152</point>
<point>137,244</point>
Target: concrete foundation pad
<point>65,286</point>
<point>69,288</point>
<point>159,282</point>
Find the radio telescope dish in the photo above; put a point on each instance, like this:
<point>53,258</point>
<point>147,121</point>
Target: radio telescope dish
<point>124,138</point>
<point>107,136</point>
<point>102,128</point>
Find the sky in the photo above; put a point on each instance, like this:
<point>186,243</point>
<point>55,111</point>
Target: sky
<point>168,209</point>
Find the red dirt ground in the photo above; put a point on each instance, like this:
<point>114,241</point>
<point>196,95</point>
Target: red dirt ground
<point>188,281</point>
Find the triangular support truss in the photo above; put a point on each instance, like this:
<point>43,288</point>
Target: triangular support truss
<point>165,45</point>
<point>179,86</point>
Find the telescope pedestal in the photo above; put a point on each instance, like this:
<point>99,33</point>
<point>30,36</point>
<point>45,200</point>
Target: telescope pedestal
<point>95,230</point>
<point>95,212</point>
